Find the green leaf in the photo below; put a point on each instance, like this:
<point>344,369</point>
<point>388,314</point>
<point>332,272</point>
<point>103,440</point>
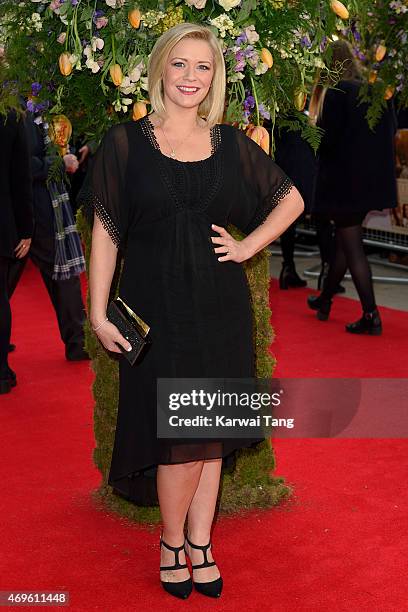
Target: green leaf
<point>246,7</point>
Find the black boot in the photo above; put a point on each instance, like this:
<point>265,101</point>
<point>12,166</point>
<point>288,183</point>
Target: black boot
<point>322,279</point>
<point>289,277</point>
<point>7,380</point>
<point>321,304</point>
<point>370,323</point>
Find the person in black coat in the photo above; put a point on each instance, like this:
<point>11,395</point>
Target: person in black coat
<point>65,294</point>
<point>296,157</point>
<point>356,174</point>
<point>16,223</point>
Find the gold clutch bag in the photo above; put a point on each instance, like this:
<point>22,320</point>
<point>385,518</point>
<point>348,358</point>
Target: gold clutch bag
<point>131,326</point>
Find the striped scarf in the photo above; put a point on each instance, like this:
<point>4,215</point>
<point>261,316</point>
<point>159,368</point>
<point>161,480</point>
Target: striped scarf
<point>69,258</point>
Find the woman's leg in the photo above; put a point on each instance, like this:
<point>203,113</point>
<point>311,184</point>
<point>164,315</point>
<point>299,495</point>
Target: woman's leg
<point>176,486</point>
<point>337,269</point>
<point>188,488</point>
<point>201,516</point>
<point>349,242</point>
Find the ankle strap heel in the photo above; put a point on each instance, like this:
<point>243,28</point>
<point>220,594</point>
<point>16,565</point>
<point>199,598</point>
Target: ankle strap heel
<point>212,588</point>
<point>179,589</point>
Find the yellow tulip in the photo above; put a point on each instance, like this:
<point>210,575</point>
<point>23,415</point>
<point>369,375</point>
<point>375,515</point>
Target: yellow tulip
<point>259,135</point>
<point>135,17</point>
<point>299,99</point>
<point>116,74</point>
<point>339,9</point>
<point>372,77</point>
<point>65,65</point>
<point>380,53</point>
<point>139,110</point>
<point>389,92</point>
<point>266,57</point>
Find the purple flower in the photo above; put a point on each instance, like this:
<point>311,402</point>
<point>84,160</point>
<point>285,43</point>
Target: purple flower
<point>249,51</point>
<point>323,43</point>
<point>305,42</point>
<point>97,14</point>
<point>35,89</point>
<point>263,112</point>
<point>357,35</point>
<point>249,102</point>
<point>74,2</point>
<point>239,66</point>
<point>241,39</point>
<point>30,106</point>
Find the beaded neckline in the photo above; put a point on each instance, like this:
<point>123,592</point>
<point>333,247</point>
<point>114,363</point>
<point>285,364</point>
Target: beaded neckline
<point>215,137</point>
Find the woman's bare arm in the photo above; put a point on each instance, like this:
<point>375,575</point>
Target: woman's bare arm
<point>281,217</point>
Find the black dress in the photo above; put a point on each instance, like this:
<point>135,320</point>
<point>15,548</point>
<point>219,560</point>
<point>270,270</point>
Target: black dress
<point>356,167</point>
<point>159,211</point>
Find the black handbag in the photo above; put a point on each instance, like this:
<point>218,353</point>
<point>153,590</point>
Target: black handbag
<point>132,327</point>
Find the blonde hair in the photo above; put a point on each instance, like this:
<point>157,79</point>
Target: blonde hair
<point>212,107</point>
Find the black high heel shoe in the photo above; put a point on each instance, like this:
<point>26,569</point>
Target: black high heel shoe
<point>289,277</point>
<point>212,588</point>
<point>179,589</point>
<point>321,305</point>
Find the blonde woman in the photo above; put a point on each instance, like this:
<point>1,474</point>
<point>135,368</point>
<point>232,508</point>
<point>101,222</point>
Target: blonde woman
<point>163,190</point>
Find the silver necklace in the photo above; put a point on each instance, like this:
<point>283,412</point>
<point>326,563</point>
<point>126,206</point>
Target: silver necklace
<point>172,150</point>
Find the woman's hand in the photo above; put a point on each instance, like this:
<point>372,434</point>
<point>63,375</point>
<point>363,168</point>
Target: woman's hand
<point>230,249</point>
<point>109,334</point>
<point>22,248</point>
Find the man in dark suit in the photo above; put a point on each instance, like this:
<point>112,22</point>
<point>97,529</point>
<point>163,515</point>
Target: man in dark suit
<point>65,294</point>
<point>16,223</point>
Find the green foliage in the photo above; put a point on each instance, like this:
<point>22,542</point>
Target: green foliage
<point>296,33</point>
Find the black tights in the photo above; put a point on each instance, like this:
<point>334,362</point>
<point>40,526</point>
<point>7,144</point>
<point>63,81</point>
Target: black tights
<point>5,315</point>
<point>349,253</point>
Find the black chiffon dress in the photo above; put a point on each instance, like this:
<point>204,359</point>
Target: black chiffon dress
<point>159,211</point>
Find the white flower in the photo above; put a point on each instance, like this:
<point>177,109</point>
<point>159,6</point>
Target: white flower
<point>223,23</point>
<point>227,5</point>
<point>115,3</point>
<point>61,38</point>
<point>97,43</point>
<point>251,35</point>
<point>198,4</point>
<point>143,83</point>
<point>135,74</point>
<point>237,76</point>
<point>127,101</point>
<point>92,65</point>
<point>126,86</point>
<point>261,68</point>
<point>88,51</point>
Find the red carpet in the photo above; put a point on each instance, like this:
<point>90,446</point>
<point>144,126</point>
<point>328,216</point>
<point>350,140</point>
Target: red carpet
<point>338,544</point>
